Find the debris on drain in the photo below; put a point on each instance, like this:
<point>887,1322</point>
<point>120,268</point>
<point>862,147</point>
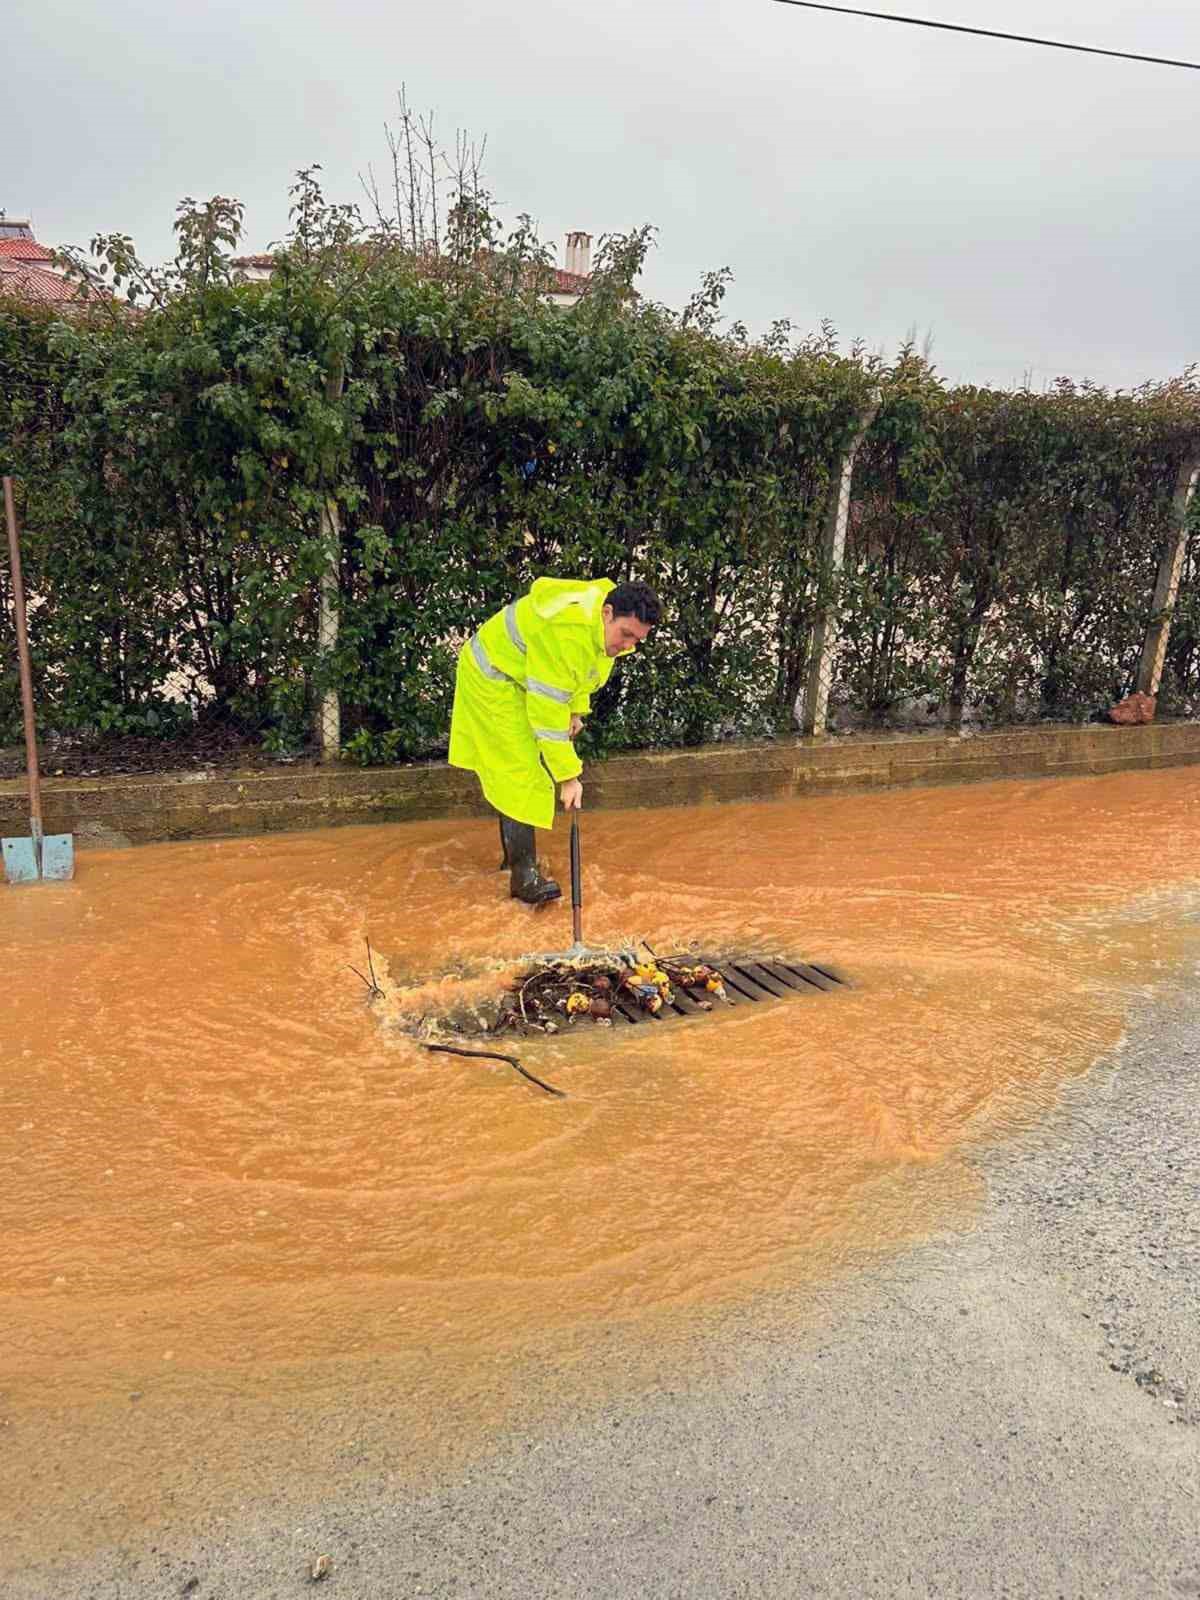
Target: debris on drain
<point>595,988</point>
<point>591,990</point>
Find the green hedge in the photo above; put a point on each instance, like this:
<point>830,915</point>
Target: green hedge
<point>1005,546</point>
<point>173,464</point>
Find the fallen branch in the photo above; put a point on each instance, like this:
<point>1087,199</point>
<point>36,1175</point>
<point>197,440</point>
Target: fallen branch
<point>493,1055</point>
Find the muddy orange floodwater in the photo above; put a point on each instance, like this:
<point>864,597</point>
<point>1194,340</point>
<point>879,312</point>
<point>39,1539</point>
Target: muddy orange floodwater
<point>224,1171</point>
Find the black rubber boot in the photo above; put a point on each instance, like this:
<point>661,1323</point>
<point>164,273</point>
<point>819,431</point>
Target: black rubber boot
<point>505,863</point>
<point>527,883</point>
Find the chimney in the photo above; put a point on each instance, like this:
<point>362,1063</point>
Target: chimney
<point>579,254</point>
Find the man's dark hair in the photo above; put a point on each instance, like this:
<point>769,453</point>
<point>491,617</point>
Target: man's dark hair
<point>636,600</point>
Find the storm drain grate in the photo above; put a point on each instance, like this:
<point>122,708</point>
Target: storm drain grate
<point>747,983</point>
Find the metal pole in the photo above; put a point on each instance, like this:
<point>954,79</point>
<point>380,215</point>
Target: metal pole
<point>824,637</point>
<point>1166,590</point>
<point>576,883</point>
<point>31,752</point>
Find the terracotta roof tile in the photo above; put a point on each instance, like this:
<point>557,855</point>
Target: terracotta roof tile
<point>570,282</point>
<point>36,284</point>
<point>24,250</point>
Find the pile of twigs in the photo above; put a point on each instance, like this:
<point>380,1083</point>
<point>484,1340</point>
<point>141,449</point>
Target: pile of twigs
<point>561,994</point>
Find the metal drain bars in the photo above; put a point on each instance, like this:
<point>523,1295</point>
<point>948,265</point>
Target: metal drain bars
<point>747,982</point>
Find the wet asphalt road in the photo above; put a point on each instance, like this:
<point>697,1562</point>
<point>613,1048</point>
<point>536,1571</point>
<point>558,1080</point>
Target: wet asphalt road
<point>1014,1412</point>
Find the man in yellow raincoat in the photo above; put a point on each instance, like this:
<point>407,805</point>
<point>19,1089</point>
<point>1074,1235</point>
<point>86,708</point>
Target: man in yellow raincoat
<point>523,688</point>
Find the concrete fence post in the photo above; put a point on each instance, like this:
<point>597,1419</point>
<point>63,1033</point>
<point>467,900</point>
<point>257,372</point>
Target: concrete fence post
<point>1166,590</point>
<point>823,638</point>
<point>329,712</point>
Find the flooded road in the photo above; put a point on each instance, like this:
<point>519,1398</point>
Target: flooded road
<point>227,1183</point>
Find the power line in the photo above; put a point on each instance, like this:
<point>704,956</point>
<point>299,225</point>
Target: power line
<point>989,33</point>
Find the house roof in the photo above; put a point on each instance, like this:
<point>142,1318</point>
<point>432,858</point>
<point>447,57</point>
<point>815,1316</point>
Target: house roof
<point>24,250</point>
<point>24,277</point>
<point>264,261</point>
<point>24,282</point>
<point>569,282</point>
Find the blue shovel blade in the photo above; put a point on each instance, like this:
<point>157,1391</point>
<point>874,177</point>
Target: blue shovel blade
<point>20,860</point>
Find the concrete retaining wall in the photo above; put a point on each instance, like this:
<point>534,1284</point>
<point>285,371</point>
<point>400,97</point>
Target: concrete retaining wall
<point>143,810</point>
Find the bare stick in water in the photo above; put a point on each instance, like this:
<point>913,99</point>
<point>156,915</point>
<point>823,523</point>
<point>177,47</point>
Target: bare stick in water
<point>374,992</point>
<point>493,1055</point>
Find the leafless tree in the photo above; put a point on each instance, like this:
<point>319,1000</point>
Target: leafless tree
<point>432,200</point>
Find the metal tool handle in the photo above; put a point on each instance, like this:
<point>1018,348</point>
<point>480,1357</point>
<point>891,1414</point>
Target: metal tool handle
<point>576,883</point>
<point>18,587</point>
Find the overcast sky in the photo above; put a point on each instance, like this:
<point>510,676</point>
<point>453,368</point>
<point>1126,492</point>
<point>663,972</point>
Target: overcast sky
<point>1035,211</point>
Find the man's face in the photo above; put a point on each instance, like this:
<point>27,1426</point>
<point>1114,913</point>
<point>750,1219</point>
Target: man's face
<point>622,633</point>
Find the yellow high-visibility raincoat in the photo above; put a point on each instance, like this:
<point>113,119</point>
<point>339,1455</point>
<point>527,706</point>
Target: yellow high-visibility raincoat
<point>520,679</point>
